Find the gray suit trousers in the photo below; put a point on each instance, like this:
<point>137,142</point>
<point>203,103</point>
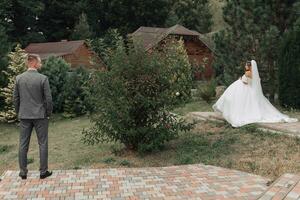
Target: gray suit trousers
<point>41,129</point>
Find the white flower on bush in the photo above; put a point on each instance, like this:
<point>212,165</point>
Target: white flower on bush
<point>177,93</point>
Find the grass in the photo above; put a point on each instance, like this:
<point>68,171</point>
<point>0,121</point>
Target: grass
<point>247,149</point>
<point>194,106</point>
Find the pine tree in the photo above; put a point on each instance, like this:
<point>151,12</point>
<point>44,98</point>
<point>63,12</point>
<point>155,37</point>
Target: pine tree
<point>4,49</point>
<point>56,69</point>
<point>125,15</point>
<point>289,68</point>
<point>20,18</point>
<point>17,65</point>
<point>82,29</point>
<point>194,14</point>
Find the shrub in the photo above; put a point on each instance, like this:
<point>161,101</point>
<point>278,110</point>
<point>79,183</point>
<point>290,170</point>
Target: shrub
<point>104,45</point>
<point>133,99</point>
<point>289,69</point>
<point>207,90</point>
<point>56,69</point>
<point>75,93</point>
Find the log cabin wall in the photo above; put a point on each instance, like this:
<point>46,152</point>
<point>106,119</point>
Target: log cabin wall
<point>200,55</point>
<point>84,57</point>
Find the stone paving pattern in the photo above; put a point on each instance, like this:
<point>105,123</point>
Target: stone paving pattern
<point>292,129</point>
<point>283,188</point>
<point>175,182</point>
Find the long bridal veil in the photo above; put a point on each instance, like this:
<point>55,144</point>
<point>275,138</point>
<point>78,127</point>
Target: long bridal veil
<point>243,104</point>
<point>256,84</point>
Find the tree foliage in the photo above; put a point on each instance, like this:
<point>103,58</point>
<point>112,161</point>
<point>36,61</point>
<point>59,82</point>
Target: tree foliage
<point>134,98</point>
<point>104,46</point>
<point>194,14</point>
<point>82,30</point>
<point>58,18</point>
<point>4,49</point>
<point>125,15</point>
<point>255,30</point>
<point>76,93</point>
<point>17,65</point>
<point>56,69</point>
<point>20,19</point>
<point>289,69</point>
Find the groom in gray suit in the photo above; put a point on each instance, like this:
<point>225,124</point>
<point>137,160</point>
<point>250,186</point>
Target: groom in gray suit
<point>33,104</point>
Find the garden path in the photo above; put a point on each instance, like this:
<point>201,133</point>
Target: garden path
<point>292,129</point>
<point>175,182</point>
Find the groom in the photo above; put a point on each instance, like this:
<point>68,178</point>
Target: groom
<point>33,104</point>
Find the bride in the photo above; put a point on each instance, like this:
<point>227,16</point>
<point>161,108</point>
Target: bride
<point>243,101</point>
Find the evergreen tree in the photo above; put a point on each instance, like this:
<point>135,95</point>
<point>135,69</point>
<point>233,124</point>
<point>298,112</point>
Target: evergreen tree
<point>194,14</point>
<point>20,19</point>
<point>104,45</point>
<point>4,49</point>
<point>125,15</point>
<point>289,68</point>
<point>59,18</point>
<point>56,69</point>
<point>17,65</point>
<point>255,29</point>
<point>75,91</point>
<point>82,29</point>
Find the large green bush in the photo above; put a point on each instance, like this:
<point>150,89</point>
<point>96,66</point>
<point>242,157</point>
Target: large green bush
<point>76,92</point>
<point>69,87</point>
<point>133,99</point>
<point>57,71</point>
<point>289,69</point>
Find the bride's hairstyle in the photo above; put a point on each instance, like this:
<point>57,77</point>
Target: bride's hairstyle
<point>248,66</point>
<point>248,63</point>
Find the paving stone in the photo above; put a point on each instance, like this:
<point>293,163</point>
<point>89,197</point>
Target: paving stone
<point>284,188</point>
<point>175,182</point>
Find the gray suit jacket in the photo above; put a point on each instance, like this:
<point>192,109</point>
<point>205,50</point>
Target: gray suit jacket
<point>32,96</point>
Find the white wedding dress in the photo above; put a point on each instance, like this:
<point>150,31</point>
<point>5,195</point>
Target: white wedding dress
<point>243,104</point>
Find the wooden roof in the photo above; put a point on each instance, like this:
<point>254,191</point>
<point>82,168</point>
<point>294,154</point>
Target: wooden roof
<point>45,50</point>
<point>151,36</point>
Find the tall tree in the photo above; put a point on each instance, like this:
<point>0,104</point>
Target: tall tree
<point>126,15</point>
<point>255,30</point>
<point>194,14</point>
<point>58,18</point>
<point>82,29</point>
<point>17,65</point>
<point>4,49</point>
<point>20,18</point>
<point>289,68</point>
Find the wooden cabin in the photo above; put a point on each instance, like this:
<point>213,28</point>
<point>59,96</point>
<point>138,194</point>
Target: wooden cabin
<point>76,53</point>
<point>199,51</point>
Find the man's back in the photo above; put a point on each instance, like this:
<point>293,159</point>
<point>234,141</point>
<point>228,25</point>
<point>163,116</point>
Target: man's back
<point>33,104</point>
<point>32,95</point>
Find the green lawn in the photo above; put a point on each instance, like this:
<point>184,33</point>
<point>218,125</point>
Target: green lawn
<point>246,149</point>
<point>194,106</point>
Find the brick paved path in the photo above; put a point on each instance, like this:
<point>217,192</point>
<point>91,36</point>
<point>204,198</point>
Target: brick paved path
<point>176,182</point>
<point>292,129</point>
